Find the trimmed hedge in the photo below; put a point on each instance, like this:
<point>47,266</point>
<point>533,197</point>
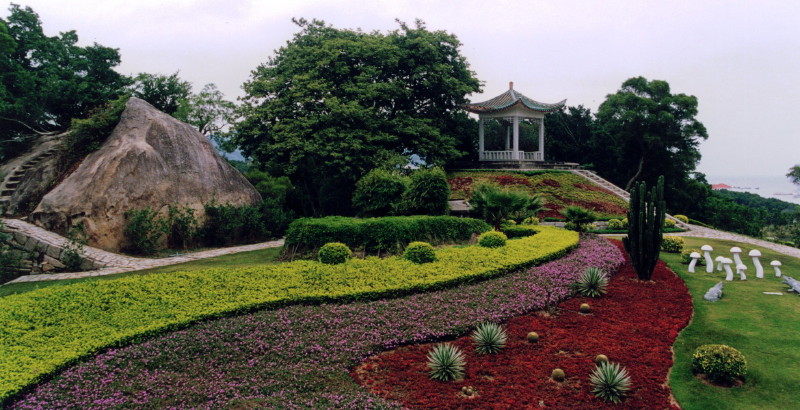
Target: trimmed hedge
<point>48,329</point>
<point>518,231</point>
<point>378,235</point>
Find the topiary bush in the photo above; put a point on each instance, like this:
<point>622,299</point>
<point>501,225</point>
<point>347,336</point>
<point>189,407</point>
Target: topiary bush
<point>492,239</point>
<point>489,338</point>
<point>669,223</point>
<point>420,252</point>
<point>686,256</point>
<point>592,283</point>
<point>446,362</point>
<point>334,253</point>
<point>610,381</point>
<point>517,231</point>
<point>720,363</point>
<point>380,193</point>
<point>428,193</point>
<point>672,244</point>
<point>615,224</point>
<point>531,220</point>
<point>682,218</point>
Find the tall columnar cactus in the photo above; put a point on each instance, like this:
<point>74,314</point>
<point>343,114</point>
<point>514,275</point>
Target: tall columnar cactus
<point>645,227</point>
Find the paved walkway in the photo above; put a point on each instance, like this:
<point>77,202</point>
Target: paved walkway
<point>701,232</point>
<point>115,263</point>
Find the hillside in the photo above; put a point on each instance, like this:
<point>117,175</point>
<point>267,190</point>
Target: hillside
<point>560,189</point>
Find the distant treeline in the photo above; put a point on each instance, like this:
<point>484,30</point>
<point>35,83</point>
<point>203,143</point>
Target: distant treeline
<point>746,213</point>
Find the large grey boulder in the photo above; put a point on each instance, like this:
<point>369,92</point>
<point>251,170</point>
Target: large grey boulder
<point>150,159</point>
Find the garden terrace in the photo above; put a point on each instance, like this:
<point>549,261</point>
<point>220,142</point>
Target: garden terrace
<point>559,189</point>
<point>301,356</point>
<point>48,329</point>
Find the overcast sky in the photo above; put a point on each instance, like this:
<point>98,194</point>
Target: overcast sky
<point>741,59</point>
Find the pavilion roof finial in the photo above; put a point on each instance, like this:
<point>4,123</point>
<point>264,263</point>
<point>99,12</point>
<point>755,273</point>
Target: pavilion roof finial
<point>510,85</point>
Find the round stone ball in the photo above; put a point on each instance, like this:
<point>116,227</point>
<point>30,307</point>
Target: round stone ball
<point>601,358</point>
<point>533,337</point>
<point>585,308</point>
<point>558,375</point>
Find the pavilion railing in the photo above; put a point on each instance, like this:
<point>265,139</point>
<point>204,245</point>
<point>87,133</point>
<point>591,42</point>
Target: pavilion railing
<point>509,156</point>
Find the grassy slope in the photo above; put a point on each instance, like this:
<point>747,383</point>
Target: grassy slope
<point>236,260</point>
<point>764,328</point>
<point>559,189</point>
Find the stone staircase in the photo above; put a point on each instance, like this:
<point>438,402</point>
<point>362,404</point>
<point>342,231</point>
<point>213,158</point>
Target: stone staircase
<point>12,181</point>
<point>600,181</point>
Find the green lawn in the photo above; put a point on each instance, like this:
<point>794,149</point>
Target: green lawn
<point>765,328</point>
<point>236,260</point>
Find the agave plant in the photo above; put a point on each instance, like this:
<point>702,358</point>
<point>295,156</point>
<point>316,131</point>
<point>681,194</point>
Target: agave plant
<point>446,362</point>
<point>489,338</point>
<point>592,283</point>
<point>611,382</point>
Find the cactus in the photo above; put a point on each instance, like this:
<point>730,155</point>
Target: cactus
<point>645,227</point>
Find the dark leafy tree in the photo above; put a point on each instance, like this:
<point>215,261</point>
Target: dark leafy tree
<point>46,81</point>
<point>333,104</point>
<point>209,111</point>
<point>165,92</point>
<point>794,174</point>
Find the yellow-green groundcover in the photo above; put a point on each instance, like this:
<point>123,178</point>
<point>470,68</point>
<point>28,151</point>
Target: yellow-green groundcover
<point>48,329</point>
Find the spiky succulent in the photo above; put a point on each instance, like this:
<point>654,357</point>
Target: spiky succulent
<point>592,283</point>
<point>446,362</point>
<point>611,382</point>
<point>489,338</point>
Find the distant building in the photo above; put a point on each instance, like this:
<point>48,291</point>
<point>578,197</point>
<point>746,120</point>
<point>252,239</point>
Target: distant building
<point>717,187</point>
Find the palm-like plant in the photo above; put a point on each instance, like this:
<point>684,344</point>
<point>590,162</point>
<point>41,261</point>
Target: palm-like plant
<point>592,283</point>
<point>489,338</point>
<point>494,204</point>
<point>611,382</point>
<point>446,362</point>
<point>579,217</point>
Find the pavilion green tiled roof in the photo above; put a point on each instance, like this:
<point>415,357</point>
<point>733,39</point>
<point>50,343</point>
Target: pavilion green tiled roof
<point>510,98</point>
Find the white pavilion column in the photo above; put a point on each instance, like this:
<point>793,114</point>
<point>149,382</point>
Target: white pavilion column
<point>541,138</point>
<point>515,155</point>
<point>508,137</point>
<point>480,139</point>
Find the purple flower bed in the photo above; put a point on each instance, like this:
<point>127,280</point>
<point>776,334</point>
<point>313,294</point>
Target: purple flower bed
<point>300,356</point>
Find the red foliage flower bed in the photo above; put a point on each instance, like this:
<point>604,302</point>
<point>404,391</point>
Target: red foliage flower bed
<point>634,324</point>
<point>505,180</point>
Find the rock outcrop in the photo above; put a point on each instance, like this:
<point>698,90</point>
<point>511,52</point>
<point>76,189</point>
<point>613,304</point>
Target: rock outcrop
<point>149,160</point>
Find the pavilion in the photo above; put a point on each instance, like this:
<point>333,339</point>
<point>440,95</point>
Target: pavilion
<point>509,109</point>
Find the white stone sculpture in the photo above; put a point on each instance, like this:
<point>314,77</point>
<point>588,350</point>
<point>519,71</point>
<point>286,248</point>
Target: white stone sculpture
<point>719,259</point>
<point>740,268</point>
<point>709,263</point>
<point>755,253</point>
<point>695,257</point>
<point>775,264</point>
<point>736,259</point>
<point>726,264</point>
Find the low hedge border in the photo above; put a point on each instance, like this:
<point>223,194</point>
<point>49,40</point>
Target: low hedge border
<point>46,330</point>
<point>378,235</point>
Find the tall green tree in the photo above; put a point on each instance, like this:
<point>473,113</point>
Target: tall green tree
<point>794,174</point>
<point>333,104</point>
<point>165,92</point>
<point>655,131</point>
<point>207,110</point>
<point>47,81</point>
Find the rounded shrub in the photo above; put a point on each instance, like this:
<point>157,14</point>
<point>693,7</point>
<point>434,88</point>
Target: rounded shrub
<point>592,283</point>
<point>333,253</point>
<point>420,252</point>
<point>446,362</point>
<point>686,257</point>
<point>610,381</point>
<point>558,375</point>
<point>672,244</point>
<point>489,338</point>
<point>682,218</point>
<point>720,363</point>
<point>531,220</point>
<point>669,223</point>
<point>585,308</point>
<point>492,239</point>
<point>615,224</point>
<point>533,337</point>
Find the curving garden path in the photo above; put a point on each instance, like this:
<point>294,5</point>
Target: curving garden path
<point>701,232</point>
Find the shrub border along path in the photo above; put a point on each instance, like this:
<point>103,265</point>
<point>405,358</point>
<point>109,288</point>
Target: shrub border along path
<point>300,356</point>
<point>48,329</point>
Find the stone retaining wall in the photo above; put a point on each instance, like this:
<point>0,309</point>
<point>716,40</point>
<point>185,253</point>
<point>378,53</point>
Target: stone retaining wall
<point>42,254</point>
